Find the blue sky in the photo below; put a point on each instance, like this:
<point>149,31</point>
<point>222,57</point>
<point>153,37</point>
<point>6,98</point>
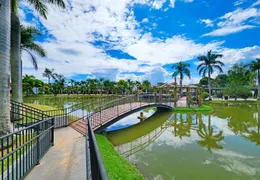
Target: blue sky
<point>142,39</point>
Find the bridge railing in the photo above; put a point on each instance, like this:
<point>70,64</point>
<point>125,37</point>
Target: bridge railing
<point>66,116</point>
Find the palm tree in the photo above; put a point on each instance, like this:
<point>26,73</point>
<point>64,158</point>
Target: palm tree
<point>209,139</point>
<point>49,74</point>
<point>16,70</point>
<point>122,85</point>
<point>255,66</point>
<point>182,70</point>
<point>130,85</point>
<point>28,35</point>
<point>208,64</point>
<point>137,85</point>
<point>146,85</point>
<point>5,29</point>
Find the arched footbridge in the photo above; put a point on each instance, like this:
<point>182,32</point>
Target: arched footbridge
<point>108,113</point>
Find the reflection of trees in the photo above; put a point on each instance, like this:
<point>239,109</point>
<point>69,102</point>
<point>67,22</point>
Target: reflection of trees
<point>181,129</point>
<point>207,134</point>
<point>243,119</point>
<point>254,135</point>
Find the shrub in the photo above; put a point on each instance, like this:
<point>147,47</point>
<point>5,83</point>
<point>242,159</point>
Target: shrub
<point>236,91</point>
<point>205,95</point>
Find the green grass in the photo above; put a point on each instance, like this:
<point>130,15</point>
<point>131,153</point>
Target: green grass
<point>203,108</point>
<point>116,166</point>
<point>233,101</point>
<point>41,107</point>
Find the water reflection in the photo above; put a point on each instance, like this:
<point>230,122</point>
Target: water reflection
<point>209,138</point>
<point>225,142</point>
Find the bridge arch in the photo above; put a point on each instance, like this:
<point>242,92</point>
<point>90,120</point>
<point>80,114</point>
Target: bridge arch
<point>160,107</point>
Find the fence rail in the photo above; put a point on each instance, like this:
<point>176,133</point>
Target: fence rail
<point>22,149</point>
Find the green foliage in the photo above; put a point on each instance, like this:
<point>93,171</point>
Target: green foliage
<point>237,91</point>
<point>146,85</point>
<point>221,80</point>
<point>205,95</point>
<point>203,108</point>
<point>28,36</point>
<point>190,101</point>
<point>239,75</point>
<point>116,166</point>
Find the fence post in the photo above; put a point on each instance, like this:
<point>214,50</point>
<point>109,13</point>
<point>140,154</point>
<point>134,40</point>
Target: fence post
<point>38,145</point>
<point>52,131</point>
<point>130,103</point>
<point>117,109</point>
<point>100,120</point>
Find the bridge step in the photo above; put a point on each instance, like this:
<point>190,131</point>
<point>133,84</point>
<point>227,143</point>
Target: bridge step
<point>80,126</point>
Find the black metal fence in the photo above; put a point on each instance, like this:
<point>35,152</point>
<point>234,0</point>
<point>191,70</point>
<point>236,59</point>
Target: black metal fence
<point>67,116</point>
<point>22,149</point>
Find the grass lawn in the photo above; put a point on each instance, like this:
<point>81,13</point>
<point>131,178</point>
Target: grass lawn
<point>203,108</point>
<point>116,166</point>
<point>233,101</point>
<point>41,107</point>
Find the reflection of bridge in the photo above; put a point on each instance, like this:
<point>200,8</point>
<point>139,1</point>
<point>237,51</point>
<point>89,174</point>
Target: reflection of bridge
<point>139,144</point>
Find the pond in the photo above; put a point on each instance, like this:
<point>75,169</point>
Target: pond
<point>224,144</point>
<point>63,101</point>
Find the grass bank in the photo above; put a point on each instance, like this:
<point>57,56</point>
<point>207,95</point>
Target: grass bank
<point>116,166</point>
<point>203,108</point>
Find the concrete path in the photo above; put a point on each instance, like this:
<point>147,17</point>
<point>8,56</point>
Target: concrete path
<point>65,160</point>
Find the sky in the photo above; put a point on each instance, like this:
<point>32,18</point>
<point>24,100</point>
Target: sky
<point>142,39</point>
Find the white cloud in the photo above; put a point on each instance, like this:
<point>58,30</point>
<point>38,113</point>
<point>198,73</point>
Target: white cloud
<point>208,22</point>
<point>157,4</point>
<point>188,1</point>
<point>172,3</point>
<point>256,3</point>
<point>239,2</point>
<point>228,30</point>
<point>81,24</point>
<point>235,21</point>
<point>145,20</point>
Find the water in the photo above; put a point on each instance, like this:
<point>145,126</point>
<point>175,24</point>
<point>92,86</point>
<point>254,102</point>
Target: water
<point>224,144</point>
<point>63,101</point>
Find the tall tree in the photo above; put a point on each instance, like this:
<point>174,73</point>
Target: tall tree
<point>210,62</point>
<point>5,29</point>
<point>146,85</point>
<point>49,73</point>
<point>16,69</point>
<point>255,66</point>
<point>28,35</point>
<point>182,70</point>
<point>130,85</point>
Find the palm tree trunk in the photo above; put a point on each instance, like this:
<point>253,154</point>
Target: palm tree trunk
<point>5,29</point>
<point>209,84</point>
<point>258,76</point>
<point>16,68</point>
<point>180,87</point>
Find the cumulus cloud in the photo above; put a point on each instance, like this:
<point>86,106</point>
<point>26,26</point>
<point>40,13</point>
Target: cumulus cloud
<point>208,22</point>
<point>85,30</point>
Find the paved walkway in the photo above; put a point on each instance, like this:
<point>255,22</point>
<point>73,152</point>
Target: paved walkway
<point>65,160</point>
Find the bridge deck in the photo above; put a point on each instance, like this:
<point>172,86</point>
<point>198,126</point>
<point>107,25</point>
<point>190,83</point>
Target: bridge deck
<point>99,119</point>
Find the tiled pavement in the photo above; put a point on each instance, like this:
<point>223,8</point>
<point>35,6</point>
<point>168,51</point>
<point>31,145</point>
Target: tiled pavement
<point>65,160</point>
